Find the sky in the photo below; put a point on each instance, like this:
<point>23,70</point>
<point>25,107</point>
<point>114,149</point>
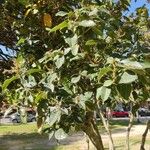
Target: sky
<point>132,8</point>
<point>137,4</point>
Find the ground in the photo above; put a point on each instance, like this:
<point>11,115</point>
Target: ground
<point>25,137</point>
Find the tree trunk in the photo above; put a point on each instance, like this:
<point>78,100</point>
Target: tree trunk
<point>138,117</point>
<point>128,130</point>
<point>106,125</point>
<point>144,135</point>
<point>88,142</point>
<point>23,115</point>
<point>90,128</point>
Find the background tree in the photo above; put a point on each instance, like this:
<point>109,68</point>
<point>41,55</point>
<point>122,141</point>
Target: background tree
<point>74,57</point>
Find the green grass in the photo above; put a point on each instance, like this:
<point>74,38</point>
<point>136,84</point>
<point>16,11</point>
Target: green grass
<point>18,128</point>
<point>23,136</point>
<point>32,128</point>
<point>116,125</point>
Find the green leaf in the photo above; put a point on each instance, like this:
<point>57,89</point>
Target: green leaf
<point>21,94</point>
<point>61,13</point>
<point>93,12</point>
<point>88,95</point>
<point>49,86</point>
<point>108,83</point>
<point>110,60</point>
<point>21,41</point>
<point>84,73</point>
<point>124,90</point>
<point>75,79</point>
<point>99,92</point>
<point>51,77</point>
<point>97,31</point>
<point>83,98</point>
<point>103,72</point>
<point>103,92</point>
<point>75,49</point>
<point>91,76</point>
<point>91,42</point>
<point>8,81</point>
<point>54,116</point>
<point>146,65</point>
<point>129,1</point>
<point>62,25</point>
<point>60,61</point>
<point>64,111</point>
<point>41,95</point>
<point>82,104</point>
<point>52,87</point>
<point>87,23</point>
<point>24,2</point>
<point>131,64</point>
<point>30,71</point>
<point>31,81</point>
<point>50,135</point>
<point>30,97</point>
<point>127,78</point>
<point>72,41</point>
<point>67,50</point>
<point>66,86</point>
<point>60,134</point>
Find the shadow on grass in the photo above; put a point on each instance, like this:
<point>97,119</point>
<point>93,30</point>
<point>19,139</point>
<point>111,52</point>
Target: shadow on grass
<point>22,141</point>
<point>34,141</point>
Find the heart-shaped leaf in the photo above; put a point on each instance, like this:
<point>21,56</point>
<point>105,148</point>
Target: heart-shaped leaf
<point>60,61</point>
<point>127,78</point>
<point>75,79</point>
<point>108,83</point>
<point>60,134</point>
<point>103,93</point>
<point>87,23</point>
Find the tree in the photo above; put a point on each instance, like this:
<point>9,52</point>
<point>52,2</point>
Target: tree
<point>74,57</point>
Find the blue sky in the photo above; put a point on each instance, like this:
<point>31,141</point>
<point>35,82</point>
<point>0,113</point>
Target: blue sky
<point>137,4</point>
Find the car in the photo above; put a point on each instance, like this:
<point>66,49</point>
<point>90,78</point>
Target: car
<point>1,114</point>
<point>120,113</point>
<point>16,118</point>
<point>144,112</point>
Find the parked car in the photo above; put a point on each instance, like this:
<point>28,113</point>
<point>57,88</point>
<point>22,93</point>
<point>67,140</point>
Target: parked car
<point>120,113</point>
<point>1,114</point>
<point>16,118</point>
<point>144,112</point>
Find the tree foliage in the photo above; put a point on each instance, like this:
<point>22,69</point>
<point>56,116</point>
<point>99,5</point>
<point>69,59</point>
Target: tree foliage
<point>75,56</point>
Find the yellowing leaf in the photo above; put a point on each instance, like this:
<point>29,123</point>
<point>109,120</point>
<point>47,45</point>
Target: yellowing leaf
<point>47,20</point>
<point>27,12</point>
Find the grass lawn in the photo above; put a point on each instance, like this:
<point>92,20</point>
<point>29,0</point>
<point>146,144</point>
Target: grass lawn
<point>18,128</point>
<point>25,137</point>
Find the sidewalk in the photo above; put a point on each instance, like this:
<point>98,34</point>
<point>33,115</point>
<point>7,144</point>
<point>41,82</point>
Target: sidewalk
<point>121,132</point>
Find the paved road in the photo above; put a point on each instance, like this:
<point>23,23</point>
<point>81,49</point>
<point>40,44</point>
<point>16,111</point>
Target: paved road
<point>142,119</point>
<point>5,121</point>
